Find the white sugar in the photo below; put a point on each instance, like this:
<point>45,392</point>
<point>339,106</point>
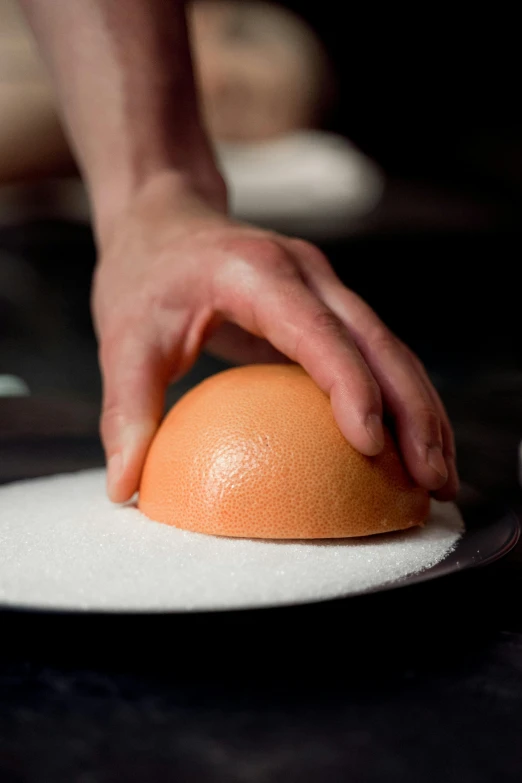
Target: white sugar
<point>63,545</point>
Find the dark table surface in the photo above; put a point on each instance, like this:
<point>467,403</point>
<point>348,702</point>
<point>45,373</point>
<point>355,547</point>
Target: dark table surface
<point>418,684</point>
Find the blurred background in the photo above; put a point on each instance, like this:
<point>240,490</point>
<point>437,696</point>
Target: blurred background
<point>393,142</point>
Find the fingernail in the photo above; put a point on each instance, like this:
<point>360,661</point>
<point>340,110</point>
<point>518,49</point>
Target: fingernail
<point>375,430</point>
<point>114,471</point>
<point>435,460</point>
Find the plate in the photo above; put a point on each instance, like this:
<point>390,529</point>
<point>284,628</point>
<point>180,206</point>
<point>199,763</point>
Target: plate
<point>491,533</point>
<point>120,562</point>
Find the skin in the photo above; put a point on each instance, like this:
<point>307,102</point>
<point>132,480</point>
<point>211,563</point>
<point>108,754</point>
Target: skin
<point>261,73</point>
<point>175,272</point>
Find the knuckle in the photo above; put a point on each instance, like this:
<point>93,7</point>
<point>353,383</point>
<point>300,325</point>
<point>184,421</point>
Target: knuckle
<point>255,262</point>
<point>311,251</point>
<point>324,322</point>
<point>152,297</point>
<point>449,450</point>
<point>430,424</point>
<point>382,342</point>
<point>126,332</point>
<point>266,251</point>
<point>372,391</point>
<point>110,344</point>
<point>357,383</point>
<point>275,258</point>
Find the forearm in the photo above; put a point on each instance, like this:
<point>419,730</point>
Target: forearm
<point>124,80</point>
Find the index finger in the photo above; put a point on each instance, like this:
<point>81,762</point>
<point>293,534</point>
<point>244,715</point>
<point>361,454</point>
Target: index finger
<point>298,324</point>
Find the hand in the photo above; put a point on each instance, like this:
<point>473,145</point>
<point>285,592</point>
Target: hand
<point>175,274</point>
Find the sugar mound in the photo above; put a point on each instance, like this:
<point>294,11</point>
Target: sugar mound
<point>64,546</point>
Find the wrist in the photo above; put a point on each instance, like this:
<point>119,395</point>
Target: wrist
<point>167,191</point>
<point>116,198</point>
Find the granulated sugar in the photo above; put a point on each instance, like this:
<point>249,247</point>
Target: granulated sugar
<point>63,545</point>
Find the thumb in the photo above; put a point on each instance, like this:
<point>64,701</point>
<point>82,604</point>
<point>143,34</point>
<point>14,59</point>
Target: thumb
<point>134,382</point>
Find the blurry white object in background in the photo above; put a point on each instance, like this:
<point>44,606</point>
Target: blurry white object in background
<point>310,183</point>
<point>12,386</point>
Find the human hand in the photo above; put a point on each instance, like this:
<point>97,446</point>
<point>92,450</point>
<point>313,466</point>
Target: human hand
<point>175,274</point>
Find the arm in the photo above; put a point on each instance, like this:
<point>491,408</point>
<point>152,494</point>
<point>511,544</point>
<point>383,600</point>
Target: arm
<point>124,79</point>
<point>174,270</point>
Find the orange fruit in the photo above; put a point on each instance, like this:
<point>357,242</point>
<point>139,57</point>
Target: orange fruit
<point>255,452</point>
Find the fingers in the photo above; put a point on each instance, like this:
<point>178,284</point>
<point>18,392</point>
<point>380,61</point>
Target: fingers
<point>306,331</point>
<point>134,388</point>
<point>282,309</point>
<point>451,487</point>
<point>423,429</point>
<point>418,423</point>
<point>422,421</point>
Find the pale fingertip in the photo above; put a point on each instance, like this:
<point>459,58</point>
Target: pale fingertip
<point>124,467</point>
<point>114,474</point>
<point>363,431</point>
<point>451,488</point>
